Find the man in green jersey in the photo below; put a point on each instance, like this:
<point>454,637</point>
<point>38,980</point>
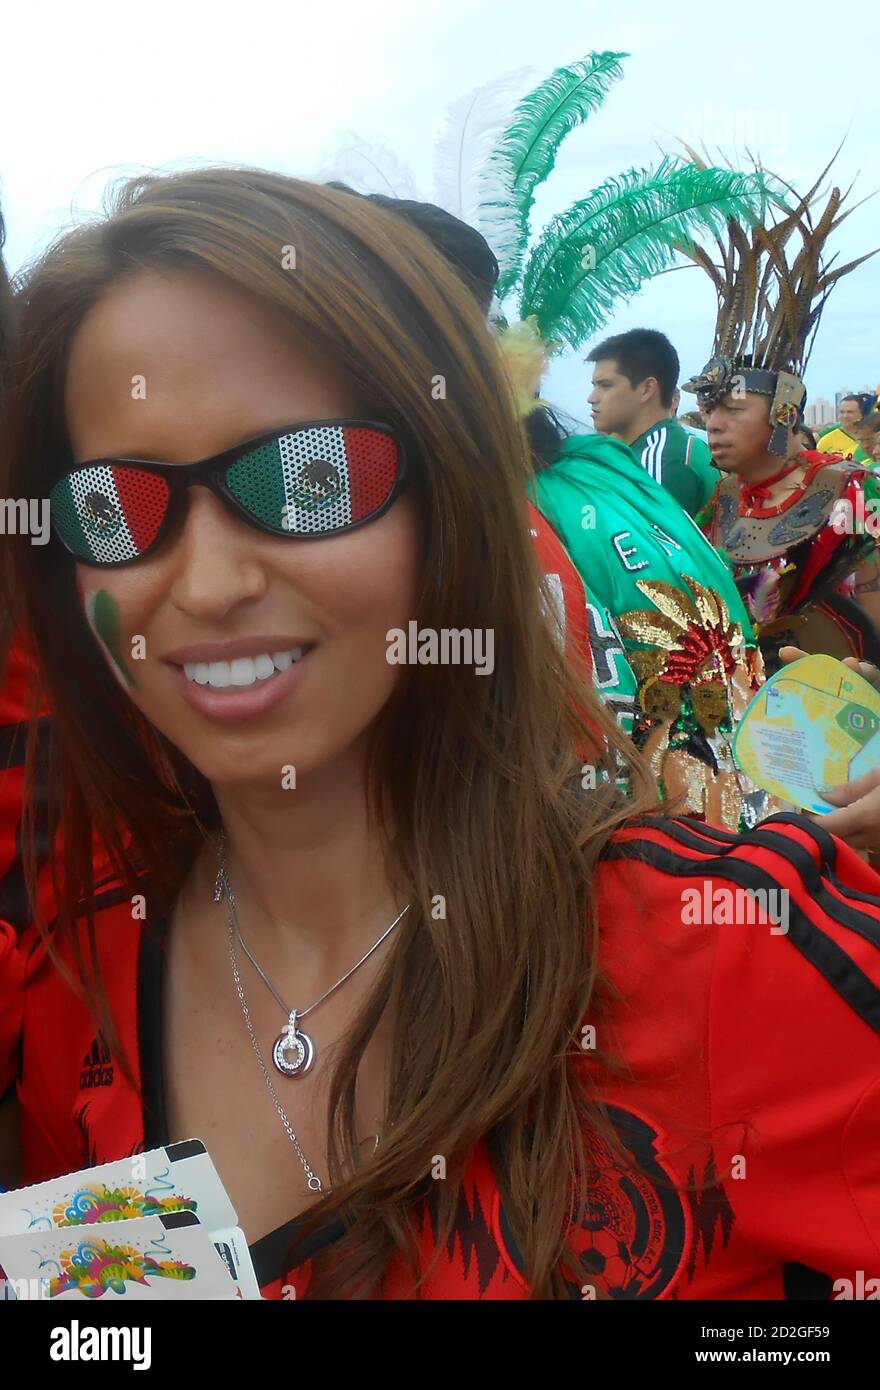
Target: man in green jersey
<point>634,386</point>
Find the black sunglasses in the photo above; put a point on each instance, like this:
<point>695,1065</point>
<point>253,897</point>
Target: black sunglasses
<point>311,480</point>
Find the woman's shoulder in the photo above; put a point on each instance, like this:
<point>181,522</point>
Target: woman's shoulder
<point>115,927</point>
<point>789,851</point>
<point>794,846</point>
<point>743,1017</point>
<point>53,1000</point>
<point>786,902</point>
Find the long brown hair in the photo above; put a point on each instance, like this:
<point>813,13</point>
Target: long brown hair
<point>483,778</point>
<point>7,314</point>
<point>7,306</point>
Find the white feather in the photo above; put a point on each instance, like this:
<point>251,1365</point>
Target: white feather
<point>465,137</point>
<point>500,226</point>
<point>367,167</point>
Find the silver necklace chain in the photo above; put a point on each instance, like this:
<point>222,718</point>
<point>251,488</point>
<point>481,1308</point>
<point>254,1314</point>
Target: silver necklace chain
<point>223,887</point>
<point>223,878</point>
<point>314,1181</point>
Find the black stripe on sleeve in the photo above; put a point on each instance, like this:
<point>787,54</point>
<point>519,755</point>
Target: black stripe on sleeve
<point>767,835</point>
<point>839,970</point>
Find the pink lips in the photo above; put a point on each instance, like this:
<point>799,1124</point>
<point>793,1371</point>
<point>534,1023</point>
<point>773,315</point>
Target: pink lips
<point>231,704</point>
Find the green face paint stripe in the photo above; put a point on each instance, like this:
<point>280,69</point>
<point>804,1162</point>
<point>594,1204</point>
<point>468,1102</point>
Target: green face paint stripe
<point>108,626</point>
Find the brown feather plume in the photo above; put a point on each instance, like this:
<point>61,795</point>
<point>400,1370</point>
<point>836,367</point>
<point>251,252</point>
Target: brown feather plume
<point>769,301</point>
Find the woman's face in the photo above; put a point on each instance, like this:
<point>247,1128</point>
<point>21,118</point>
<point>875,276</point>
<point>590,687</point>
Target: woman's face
<point>175,367</point>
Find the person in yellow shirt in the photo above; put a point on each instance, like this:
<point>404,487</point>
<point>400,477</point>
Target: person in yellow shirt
<point>843,438</point>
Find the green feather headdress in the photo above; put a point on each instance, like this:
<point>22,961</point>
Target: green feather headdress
<point>604,247</point>
<point>526,153</point>
<point>493,149</point>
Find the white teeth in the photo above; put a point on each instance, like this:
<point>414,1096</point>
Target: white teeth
<point>219,674</point>
<point>243,671</point>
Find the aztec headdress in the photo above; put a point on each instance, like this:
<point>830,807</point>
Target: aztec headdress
<point>769,306</point>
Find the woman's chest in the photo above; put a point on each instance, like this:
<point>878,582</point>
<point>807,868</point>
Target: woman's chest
<point>230,1109</point>
<point>266,1132</point>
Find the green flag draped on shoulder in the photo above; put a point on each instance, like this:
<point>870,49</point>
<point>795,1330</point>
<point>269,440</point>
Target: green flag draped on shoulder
<point>676,613</point>
<point>618,522</point>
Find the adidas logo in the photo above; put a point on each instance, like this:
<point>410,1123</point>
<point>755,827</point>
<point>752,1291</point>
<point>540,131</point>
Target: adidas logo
<point>97,1067</point>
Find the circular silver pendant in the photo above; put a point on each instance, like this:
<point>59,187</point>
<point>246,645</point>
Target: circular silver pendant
<point>293,1053</point>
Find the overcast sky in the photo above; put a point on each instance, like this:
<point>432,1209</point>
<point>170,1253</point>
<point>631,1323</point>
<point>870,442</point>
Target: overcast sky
<point>96,89</point>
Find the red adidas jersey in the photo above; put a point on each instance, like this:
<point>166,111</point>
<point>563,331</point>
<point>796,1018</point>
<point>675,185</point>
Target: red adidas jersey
<point>749,1095</point>
<point>18,688</point>
<point>15,697</point>
<point>11,967</point>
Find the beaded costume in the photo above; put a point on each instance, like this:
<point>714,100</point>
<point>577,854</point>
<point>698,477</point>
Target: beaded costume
<point>792,560</point>
<point>793,555</point>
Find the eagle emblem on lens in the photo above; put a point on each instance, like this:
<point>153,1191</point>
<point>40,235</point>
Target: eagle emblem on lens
<point>100,514</point>
<point>316,484</point>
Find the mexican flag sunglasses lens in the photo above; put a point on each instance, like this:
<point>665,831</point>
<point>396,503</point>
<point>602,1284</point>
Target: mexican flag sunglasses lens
<point>306,482</point>
<point>316,481</point>
<point>109,512</point>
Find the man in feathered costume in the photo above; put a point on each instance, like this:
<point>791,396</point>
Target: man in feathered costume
<point>798,526</point>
